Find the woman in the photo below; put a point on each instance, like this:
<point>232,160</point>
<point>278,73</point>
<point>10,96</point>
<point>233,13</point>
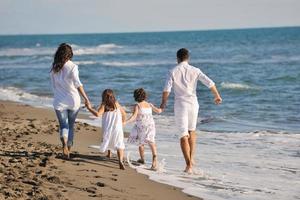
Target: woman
<point>66,88</point>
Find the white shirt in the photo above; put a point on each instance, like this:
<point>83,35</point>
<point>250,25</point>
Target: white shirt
<point>183,78</point>
<point>65,84</point>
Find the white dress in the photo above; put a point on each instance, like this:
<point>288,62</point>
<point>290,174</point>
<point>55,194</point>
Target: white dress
<point>143,131</point>
<point>112,127</point>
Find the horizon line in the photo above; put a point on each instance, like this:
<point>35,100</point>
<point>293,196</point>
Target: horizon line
<point>154,31</point>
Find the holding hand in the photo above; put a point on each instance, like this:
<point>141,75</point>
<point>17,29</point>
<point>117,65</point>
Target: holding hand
<point>88,104</point>
<point>159,110</point>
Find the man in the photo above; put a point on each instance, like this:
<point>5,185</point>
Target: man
<point>183,78</point>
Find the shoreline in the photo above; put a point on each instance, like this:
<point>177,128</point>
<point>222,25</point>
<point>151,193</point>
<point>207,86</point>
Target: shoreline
<point>31,165</point>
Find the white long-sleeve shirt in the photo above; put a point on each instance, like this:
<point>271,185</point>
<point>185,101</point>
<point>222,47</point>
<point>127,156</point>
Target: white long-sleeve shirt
<point>183,79</point>
<point>65,84</point>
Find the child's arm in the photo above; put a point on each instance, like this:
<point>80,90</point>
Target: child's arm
<point>122,112</point>
<point>98,112</point>
<point>134,114</point>
<point>155,109</point>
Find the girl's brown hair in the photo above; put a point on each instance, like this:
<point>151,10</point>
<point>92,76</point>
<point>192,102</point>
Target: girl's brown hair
<point>62,55</point>
<point>108,100</point>
<point>139,95</point>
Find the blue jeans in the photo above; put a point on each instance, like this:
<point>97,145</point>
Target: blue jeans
<point>66,119</point>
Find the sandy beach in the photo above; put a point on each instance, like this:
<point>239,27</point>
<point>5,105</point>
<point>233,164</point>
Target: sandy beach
<point>31,166</point>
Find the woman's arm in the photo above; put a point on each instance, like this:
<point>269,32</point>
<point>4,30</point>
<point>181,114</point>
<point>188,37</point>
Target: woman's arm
<point>134,114</point>
<point>98,112</point>
<point>78,84</point>
<point>155,109</point>
<point>83,94</point>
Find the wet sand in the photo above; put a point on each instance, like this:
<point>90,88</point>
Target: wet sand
<point>31,165</point>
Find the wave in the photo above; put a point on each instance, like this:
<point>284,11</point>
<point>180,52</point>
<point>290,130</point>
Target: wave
<point>124,63</point>
<point>85,62</point>
<point>248,60</point>
<point>18,95</point>
<point>100,49</point>
<point>237,86</point>
<point>285,78</point>
<point>77,50</point>
<point>110,64</point>
<point>10,52</point>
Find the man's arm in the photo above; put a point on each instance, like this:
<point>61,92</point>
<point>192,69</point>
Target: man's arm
<point>164,99</point>
<point>167,90</point>
<point>218,99</point>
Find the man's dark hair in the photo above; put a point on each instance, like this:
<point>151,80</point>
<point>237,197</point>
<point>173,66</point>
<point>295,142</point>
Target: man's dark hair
<point>183,54</point>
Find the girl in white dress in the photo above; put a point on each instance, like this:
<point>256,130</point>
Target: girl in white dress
<point>143,131</point>
<point>112,125</point>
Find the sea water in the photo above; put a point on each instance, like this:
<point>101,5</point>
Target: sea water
<point>247,148</point>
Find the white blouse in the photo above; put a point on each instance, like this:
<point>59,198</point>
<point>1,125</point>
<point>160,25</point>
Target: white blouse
<point>65,84</point>
<point>183,78</point>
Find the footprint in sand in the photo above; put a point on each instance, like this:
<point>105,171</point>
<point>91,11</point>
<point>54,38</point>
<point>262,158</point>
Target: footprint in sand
<point>100,184</point>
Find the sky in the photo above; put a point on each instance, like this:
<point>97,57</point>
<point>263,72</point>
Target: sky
<point>106,16</point>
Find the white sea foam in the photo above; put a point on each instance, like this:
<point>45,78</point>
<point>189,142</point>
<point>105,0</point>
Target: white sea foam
<point>95,50</point>
<point>18,95</point>
<point>125,63</point>
<point>27,51</point>
<point>109,63</point>
<point>237,86</point>
<point>134,64</point>
<point>85,62</point>
<point>255,165</point>
<point>77,50</point>
<point>122,64</point>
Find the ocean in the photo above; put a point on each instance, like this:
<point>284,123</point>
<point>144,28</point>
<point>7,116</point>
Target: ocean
<point>247,148</point>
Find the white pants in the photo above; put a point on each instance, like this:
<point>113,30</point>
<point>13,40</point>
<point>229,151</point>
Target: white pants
<point>186,114</point>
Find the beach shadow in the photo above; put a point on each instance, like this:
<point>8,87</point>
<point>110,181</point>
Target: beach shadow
<point>74,158</point>
<point>19,154</point>
<point>92,159</point>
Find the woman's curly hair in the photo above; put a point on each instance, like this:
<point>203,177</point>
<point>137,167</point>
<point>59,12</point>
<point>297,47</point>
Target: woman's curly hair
<point>139,95</point>
<point>62,55</point>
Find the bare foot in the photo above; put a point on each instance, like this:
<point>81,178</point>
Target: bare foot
<point>108,154</point>
<point>188,169</point>
<point>192,162</point>
<point>141,161</point>
<point>121,164</point>
<point>69,152</point>
<point>154,168</point>
<point>66,152</point>
<point>154,163</point>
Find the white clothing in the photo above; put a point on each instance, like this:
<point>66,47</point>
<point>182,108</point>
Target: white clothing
<point>65,84</point>
<point>183,78</point>
<point>143,131</point>
<point>186,116</point>
<point>112,131</point>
